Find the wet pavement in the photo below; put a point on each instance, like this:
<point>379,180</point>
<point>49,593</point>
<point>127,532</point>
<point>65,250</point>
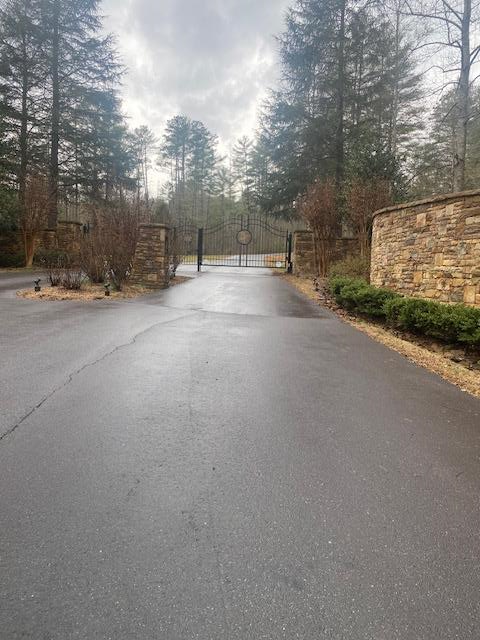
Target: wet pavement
<point>225,460</point>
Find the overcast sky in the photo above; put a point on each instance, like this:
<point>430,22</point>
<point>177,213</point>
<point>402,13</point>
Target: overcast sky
<point>211,60</point>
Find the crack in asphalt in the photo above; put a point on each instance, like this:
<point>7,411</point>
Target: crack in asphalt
<point>319,316</point>
<point>87,365</point>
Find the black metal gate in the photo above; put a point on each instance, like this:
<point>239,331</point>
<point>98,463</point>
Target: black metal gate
<point>244,241</point>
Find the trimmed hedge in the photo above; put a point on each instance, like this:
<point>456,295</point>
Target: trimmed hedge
<point>356,295</point>
<point>453,323</point>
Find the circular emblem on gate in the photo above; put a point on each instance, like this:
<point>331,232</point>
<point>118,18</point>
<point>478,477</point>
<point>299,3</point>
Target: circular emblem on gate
<point>244,237</point>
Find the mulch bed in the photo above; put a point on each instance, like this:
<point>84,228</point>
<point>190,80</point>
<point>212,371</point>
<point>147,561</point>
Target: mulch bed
<point>92,292</point>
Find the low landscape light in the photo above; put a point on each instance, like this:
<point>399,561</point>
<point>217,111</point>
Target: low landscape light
<point>38,288</point>
<point>107,289</point>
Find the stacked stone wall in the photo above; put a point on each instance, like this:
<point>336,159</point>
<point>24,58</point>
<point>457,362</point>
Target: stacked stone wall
<point>46,240</point>
<point>430,248</point>
<point>304,253</point>
<point>69,237</point>
<point>66,237</point>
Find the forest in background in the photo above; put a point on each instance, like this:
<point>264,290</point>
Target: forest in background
<point>376,103</point>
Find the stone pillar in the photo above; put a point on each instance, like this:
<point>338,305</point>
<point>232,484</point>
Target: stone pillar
<point>303,254</point>
<point>69,236</point>
<point>151,265</point>
<point>46,240</point>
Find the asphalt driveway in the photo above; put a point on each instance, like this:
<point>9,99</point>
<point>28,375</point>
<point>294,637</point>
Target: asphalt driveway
<point>227,461</point>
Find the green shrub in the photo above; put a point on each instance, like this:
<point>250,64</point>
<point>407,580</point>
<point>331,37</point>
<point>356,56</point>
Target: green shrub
<point>351,267</point>
<point>358,296</point>
<point>337,283</point>
<point>455,323</point>
<point>450,323</point>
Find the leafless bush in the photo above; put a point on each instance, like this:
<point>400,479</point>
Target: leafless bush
<point>108,251</point>
<point>120,241</point>
<point>92,257</point>
<point>351,267</point>
<point>54,262</point>
<point>363,198</point>
<point>318,207</point>
<point>72,279</point>
<point>33,213</point>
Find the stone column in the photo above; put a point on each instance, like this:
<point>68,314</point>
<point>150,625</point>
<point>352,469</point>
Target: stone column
<point>47,240</point>
<point>69,235</point>
<point>151,265</point>
<point>303,254</point>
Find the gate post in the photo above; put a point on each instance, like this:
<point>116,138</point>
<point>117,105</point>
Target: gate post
<point>304,254</point>
<point>151,264</point>
<point>200,250</point>
<point>289,253</point>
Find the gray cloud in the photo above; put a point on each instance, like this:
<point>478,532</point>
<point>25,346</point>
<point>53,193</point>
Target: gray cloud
<point>209,59</point>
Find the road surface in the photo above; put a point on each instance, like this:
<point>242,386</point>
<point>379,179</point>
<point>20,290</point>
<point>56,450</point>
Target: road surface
<point>227,461</point>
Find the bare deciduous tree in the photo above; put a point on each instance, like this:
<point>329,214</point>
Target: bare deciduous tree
<point>34,214</point>
<point>452,24</point>
<point>318,207</point>
<point>108,251</point>
<point>363,198</point>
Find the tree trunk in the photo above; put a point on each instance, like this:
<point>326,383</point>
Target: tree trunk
<point>55,133</point>
<point>23,142</point>
<point>321,252</point>
<point>462,102</point>
<point>145,161</point>
<point>183,207</point>
<point>393,142</point>
<point>340,133</point>
<point>29,247</point>
<point>364,241</point>
<point>316,258</point>
<point>138,189</point>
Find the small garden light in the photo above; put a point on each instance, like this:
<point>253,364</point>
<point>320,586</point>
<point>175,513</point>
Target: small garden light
<point>107,289</point>
<point>38,288</point>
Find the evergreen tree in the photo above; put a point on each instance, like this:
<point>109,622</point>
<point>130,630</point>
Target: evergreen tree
<point>189,151</point>
<point>23,75</point>
<point>242,157</point>
<point>201,165</point>
<point>59,109</point>
<point>143,140</point>
<point>348,81</point>
<point>173,155</point>
<point>79,57</point>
